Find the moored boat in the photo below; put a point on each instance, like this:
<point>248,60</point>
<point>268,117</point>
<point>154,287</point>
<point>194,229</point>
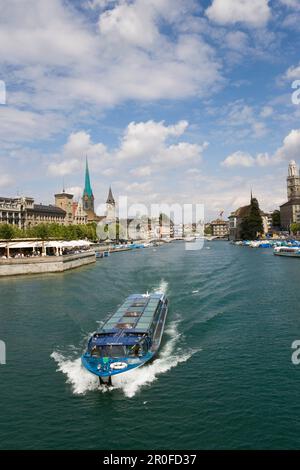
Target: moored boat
<point>129,338</point>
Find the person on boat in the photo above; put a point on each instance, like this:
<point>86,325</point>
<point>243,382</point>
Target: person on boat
<point>136,350</point>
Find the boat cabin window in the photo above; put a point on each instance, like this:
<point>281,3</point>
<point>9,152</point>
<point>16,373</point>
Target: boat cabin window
<point>125,326</point>
<point>108,351</point>
<point>138,349</point>
<point>132,313</point>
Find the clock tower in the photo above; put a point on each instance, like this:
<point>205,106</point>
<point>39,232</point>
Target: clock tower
<point>293,181</point>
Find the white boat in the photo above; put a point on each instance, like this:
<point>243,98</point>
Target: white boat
<point>292,251</point>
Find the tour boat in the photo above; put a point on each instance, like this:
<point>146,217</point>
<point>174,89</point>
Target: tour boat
<point>292,251</point>
<point>129,338</point>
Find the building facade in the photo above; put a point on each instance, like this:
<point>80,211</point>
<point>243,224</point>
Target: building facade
<point>236,219</point>
<point>65,202</point>
<point>219,228</point>
<point>14,210</point>
<point>23,213</point>
<point>290,210</point>
<point>110,214</point>
<point>79,215</point>
<point>42,214</point>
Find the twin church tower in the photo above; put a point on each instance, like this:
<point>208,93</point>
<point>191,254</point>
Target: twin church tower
<point>88,201</point>
<point>293,181</point>
<point>290,210</point>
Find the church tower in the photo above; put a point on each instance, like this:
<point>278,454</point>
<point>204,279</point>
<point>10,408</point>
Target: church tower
<point>110,206</point>
<point>88,197</point>
<point>293,181</point>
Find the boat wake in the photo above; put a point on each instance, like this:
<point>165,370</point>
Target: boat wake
<point>130,382</point>
<point>161,288</point>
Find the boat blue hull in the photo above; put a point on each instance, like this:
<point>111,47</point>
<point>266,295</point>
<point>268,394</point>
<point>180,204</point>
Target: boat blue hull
<point>290,255</point>
<point>104,368</point>
<point>94,370</point>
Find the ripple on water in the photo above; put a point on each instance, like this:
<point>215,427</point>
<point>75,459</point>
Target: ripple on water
<point>131,382</point>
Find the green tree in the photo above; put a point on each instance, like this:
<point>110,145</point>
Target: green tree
<point>42,231</point>
<point>295,228</point>
<point>7,232</point>
<point>276,218</point>
<point>252,224</point>
<point>208,230</point>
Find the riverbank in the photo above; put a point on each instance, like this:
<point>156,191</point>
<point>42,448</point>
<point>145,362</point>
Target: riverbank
<point>46,264</point>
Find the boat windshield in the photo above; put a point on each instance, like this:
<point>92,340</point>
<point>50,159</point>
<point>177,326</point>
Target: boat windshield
<point>137,350</point>
<point>108,351</point>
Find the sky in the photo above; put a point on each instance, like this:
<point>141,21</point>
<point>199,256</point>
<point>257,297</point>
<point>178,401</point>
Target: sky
<point>173,101</point>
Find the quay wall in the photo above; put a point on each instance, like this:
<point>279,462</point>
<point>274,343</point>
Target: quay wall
<point>47,264</point>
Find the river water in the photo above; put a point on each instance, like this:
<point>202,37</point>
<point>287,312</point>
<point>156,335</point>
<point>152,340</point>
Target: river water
<point>223,378</point>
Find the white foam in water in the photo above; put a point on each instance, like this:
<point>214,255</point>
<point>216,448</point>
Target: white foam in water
<point>162,287</point>
<point>131,382</point>
<point>80,379</point>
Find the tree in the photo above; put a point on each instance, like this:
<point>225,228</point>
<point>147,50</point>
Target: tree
<point>295,228</point>
<point>208,230</point>
<point>7,233</point>
<point>276,219</point>
<point>252,223</point>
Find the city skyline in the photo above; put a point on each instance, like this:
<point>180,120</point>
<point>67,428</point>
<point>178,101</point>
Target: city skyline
<point>171,101</point>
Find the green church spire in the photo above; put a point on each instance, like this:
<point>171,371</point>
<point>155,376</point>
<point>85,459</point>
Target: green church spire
<point>87,187</point>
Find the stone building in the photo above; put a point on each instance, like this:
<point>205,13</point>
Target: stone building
<point>23,213</point>
<point>65,202</point>
<point>79,215</point>
<point>219,228</point>
<point>110,215</point>
<point>236,218</point>
<point>290,210</point>
<point>42,214</point>
<point>14,210</point>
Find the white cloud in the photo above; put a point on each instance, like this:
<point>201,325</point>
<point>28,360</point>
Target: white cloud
<point>76,191</point>
<point>238,159</point>
<point>147,138</point>
<point>142,171</point>
<point>236,40</point>
<point>290,150</point>
<point>133,23</point>
<point>254,13</point>
<point>292,73</point>
<point>63,168</point>
<point>137,187</point>
<point>129,57</point>
<point>5,180</point>
<point>79,144</point>
<point>146,148</point>
<point>24,125</point>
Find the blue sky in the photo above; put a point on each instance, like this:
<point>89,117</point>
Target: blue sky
<point>172,100</point>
